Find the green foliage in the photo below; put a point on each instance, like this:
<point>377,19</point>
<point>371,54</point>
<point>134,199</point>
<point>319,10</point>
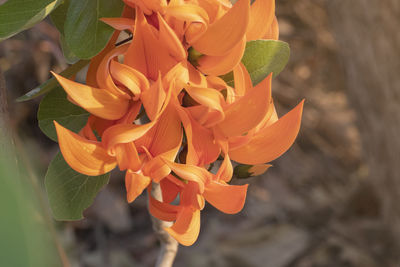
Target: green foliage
<point>55,106</point>
<point>19,15</point>
<point>70,192</point>
<point>52,82</point>
<point>84,33</point>
<point>262,57</point>
<point>58,18</point>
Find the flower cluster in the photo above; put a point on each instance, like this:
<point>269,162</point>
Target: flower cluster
<point>164,119</point>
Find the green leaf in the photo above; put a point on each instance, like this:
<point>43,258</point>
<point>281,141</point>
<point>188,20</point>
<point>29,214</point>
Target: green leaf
<point>70,192</point>
<point>52,82</point>
<point>58,18</point>
<point>55,106</point>
<point>59,15</point>
<point>262,57</point>
<point>85,34</point>
<point>19,15</point>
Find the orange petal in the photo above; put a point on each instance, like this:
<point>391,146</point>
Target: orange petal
<point>242,80</point>
<point>262,13</point>
<point>120,24</point>
<point>147,53</point>
<point>219,65</point>
<point>259,169</point>
<point>124,133</point>
<point>273,32</point>
<point>186,229</point>
<point>97,101</point>
<point>191,173</point>
<point>225,33</point>
<point>189,196</point>
<point>103,76</point>
<point>161,210</point>
<point>244,114</point>
<point>135,184</point>
<point>208,97</point>
<point>194,16</point>
<point>153,99</point>
<point>132,79</point>
<point>127,157</point>
<point>202,149</point>
<point>225,171</point>
<point>227,198</point>
<point>169,190</point>
<point>168,36</point>
<point>91,77</point>
<point>272,141</point>
<point>84,156</point>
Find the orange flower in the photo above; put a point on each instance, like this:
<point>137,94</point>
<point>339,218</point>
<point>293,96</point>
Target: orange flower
<point>163,120</point>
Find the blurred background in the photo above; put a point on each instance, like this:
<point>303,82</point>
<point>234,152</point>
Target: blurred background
<point>331,201</point>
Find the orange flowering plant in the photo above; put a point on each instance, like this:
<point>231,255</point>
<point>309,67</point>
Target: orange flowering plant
<point>189,85</point>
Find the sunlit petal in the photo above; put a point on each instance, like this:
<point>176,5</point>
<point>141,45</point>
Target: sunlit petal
<point>272,141</point>
<point>84,156</point>
<point>186,229</point>
<point>97,101</point>
<point>225,33</point>
<point>135,183</point>
<point>227,198</point>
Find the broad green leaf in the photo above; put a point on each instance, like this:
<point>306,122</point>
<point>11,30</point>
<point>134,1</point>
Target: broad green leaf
<point>52,82</point>
<point>84,33</point>
<point>59,15</point>
<point>69,56</point>
<point>56,107</point>
<point>58,18</point>
<point>19,15</point>
<point>70,192</point>
<point>262,57</point>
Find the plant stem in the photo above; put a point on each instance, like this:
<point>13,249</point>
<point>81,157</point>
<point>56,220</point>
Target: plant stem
<point>169,246</point>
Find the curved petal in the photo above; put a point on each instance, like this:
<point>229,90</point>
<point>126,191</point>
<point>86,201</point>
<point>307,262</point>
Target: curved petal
<point>202,149</point>
<point>208,97</point>
<point>127,157</point>
<point>195,17</point>
<point>226,198</point>
<point>242,80</point>
<point>186,229</point>
<point>124,133</point>
<point>169,190</point>
<point>147,53</point>
<point>244,114</point>
<point>225,33</point>
<point>259,169</point>
<point>135,183</point>
<point>97,101</point>
<point>273,32</point>
<point>153,99</point>
<point>91,76</point>
<point>132,79</point>
<point>161,210</point>
<point>84,156</point>
<point>191,173</point>
<point>219,65</point>
<point>103,76</point>
<point>262,13</point>
<point>272,141</point>
<point>168,36</point>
